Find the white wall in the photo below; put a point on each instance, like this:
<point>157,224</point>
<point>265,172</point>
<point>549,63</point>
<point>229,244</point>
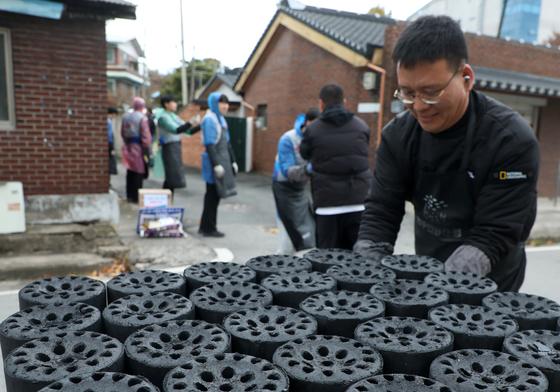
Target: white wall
<point>483,16</point>
<point>549,19</point>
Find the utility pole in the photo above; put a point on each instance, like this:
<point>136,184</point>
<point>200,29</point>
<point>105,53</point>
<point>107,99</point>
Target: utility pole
<point>193,68</point>
<point>185,98</point>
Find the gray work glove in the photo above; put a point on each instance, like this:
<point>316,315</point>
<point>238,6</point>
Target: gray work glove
<point>468,258</point>
<point>297,173</point>
<point>373,251</point>
<point>219,171</point>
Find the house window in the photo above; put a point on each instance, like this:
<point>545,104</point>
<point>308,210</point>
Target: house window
<point>110,55</point>
<point>261,121</point>
<point>7,113</point>
<point>112,86</point>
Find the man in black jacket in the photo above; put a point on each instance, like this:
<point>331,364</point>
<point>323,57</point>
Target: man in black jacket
<point>468,163</point>
<point>337,147</point>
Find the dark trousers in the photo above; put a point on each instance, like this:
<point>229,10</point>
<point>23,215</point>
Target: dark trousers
<point>167,186</point>
<point>134,182</point>
<point>338,231</point>
<point>209,217</point>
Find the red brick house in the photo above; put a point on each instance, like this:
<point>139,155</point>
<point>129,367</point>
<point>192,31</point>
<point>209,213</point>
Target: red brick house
<point>53,104</point>
<point>302,49</point>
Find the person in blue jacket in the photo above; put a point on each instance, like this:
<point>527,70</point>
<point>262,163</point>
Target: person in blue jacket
<point>289,181</point>
<point>218,163</point>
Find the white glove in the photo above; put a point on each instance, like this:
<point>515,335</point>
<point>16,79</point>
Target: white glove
<point>468,258</point>
<point>235,168</point>
<point>219,171</point>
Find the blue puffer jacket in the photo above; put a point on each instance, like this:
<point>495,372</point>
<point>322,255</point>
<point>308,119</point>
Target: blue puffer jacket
<point>213,125</point>
<point>288,150</point>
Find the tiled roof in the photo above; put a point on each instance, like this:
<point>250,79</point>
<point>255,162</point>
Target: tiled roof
<point>355,31</point>
<point>509,81</point>
<point>229,78</point>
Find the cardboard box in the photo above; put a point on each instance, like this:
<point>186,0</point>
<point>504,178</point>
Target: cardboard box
<point>153,198</point>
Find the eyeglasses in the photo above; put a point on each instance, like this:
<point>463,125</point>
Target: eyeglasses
<point>429,98</point>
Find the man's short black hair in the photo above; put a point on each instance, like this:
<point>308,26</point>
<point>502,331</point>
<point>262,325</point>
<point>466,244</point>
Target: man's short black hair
<point>431,38</point>
<point>223,98</point>
<point>112,110</point>
<point>332,94</point>
<point>312,114</point>
<point>165,99</point>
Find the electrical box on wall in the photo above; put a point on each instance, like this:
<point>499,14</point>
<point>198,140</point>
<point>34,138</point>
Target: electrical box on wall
<point>369,80</point>
<point>12,208</point>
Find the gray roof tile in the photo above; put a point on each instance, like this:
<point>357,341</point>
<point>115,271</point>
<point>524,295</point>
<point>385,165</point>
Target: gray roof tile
<point>355,31</point>
<point>510,81</point>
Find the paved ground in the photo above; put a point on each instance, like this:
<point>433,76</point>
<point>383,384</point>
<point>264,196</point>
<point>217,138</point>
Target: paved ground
<point>248,219</point>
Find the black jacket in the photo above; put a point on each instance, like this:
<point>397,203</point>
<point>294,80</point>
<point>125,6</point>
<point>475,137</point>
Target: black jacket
<point>503,143</point>
<point>337,146</point>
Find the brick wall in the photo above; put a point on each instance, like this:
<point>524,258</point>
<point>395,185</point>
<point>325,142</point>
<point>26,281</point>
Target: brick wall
<point>58,66</point>
<point>288,79</point>
<point>191,147</point>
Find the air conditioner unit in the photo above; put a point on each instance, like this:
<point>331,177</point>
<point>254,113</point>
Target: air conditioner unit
<point>12,208</point>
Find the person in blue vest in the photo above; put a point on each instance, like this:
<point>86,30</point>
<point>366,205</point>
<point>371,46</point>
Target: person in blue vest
<point>218,163</point>
<point>137,139</point>
<point>289,181</point>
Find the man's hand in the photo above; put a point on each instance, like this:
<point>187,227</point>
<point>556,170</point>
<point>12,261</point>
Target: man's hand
<point>235,168</point>
<point>219,171</point>
<point>373,251</point>
<point>468,258</point>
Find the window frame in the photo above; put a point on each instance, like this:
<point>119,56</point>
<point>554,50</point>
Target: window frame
<point>260,120</point>
<point>10,124</point>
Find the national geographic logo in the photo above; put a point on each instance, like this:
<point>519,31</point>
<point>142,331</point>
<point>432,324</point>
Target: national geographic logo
<point>511,175</point>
